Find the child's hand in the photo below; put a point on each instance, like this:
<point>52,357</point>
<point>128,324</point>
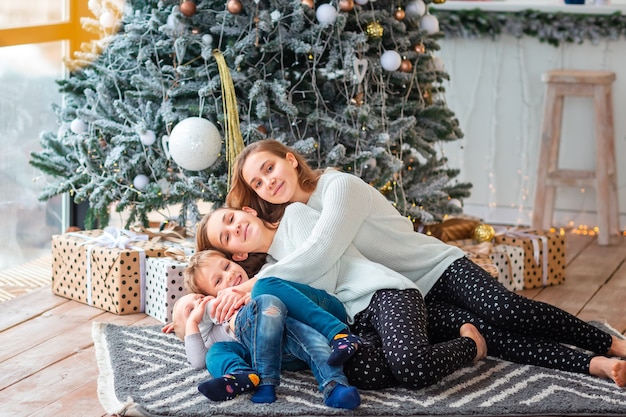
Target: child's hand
<point>198,311</point>
<point>227,302</point>
<point>168,328</point>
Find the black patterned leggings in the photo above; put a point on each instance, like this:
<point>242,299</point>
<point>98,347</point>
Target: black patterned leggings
<point>515,328</point>
<point>396,320</point>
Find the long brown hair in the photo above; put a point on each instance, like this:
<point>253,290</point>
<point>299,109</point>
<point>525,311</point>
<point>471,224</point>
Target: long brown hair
<point>241,194</point>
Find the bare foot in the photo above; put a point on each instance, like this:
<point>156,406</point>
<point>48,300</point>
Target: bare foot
<point>469,330</point>
<point>612,368</point>
<point>618,348</point>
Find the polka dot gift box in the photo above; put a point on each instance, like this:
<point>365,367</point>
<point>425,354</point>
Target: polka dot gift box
<point>544,254</point>
<point>164,284</point>
<point>103,268</point>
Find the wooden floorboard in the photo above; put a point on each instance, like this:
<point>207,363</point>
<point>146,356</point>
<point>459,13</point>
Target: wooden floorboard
<point>48,365</point>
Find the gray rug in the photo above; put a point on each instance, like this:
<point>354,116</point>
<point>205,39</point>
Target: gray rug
<point>143,372</point>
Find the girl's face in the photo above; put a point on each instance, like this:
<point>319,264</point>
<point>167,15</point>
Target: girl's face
<point>273,179</point>
<point>238,232</point>
<point>223,273</point>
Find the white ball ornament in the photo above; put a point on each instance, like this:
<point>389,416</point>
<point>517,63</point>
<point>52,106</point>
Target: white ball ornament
<point>147,137</point>
<point>361,2</point>
<point>141,181</point>
<point>326,14</point>
<point>415,8</point>
<point>207,39</point>
<point>194,144</point>
<point>78,126</point>
<point>429,23</point>
<point>107,20</point>
<point>390,60</point>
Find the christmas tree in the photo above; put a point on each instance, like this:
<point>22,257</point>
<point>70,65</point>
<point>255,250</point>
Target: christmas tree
<point>354,84</point>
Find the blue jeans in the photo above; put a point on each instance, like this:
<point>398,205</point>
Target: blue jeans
<point>264,331</point>
<point>311,306</point>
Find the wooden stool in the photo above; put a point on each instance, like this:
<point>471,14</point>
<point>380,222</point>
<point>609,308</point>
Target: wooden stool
<point>597,85</point>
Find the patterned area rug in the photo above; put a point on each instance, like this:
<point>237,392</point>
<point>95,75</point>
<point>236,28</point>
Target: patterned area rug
<point>143,372</point>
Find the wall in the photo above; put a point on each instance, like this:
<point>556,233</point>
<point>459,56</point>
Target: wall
<point>496,91</point>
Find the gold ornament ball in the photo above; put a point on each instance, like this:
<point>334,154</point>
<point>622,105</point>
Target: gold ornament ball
<point>309,3</point>
<point>399,14</point>
<point>406,66</point>
<point>188,8</point>
<point>346,5</point>
<point>483,233</point>
<point>439,1</point>
<point>234,6</point>
<point>374,30</point>
<point>419,48</point>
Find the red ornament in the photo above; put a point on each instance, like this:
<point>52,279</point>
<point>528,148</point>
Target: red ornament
<point>188,8</point>
<point>262,129</point>
<point>234,6</point>
<point>406,66</point>
<point>399,14</point>
<point>346,5</point>
<point>309,3</point>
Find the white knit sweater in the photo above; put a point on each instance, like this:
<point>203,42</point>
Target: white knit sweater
<point>353,212</point>
<point>353,279</point>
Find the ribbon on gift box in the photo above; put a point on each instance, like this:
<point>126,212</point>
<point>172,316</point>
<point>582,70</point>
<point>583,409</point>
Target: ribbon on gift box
<point>113,237</point>
<point>171,236</point>
<point>177,254</point>
<point>537,248</point>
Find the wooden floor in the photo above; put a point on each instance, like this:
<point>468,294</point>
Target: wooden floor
<point>48,365</point>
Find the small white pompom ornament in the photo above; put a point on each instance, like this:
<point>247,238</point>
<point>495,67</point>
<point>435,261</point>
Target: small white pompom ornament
<point>147,137</point>
<point>194,144</point>
<point>108,20</point>
<point>390,60</point>
<point>429,23</point>
<point>140,182</point>
<point>207,39</point>
<point>78,126</point>
<point>415,8</point>
<point>326,14</point>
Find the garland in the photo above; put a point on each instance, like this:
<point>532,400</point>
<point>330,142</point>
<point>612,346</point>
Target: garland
<point>553,28</point>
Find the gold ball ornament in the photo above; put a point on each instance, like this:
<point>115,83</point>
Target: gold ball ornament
<point>374,30</point>
<point>419,48</point>
<point>439,1</point>
<point>399,14</point>
<point>346,5</point>
<point>309,3</point>
<point>234,6</point>
<point>483,233</point>
<point>406,66</point>
<point>188,8</point>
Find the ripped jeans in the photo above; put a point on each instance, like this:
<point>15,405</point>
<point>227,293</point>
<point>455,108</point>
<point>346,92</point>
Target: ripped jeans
<point>269,341</point>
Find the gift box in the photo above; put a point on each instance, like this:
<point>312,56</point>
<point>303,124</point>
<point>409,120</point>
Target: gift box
<point>103,268</point>
<point>504,262</point>
<point>479,253</point>
<point>164,284</point>
<point>453,229</point>
<point>509,261</point>
<point>544,255</point>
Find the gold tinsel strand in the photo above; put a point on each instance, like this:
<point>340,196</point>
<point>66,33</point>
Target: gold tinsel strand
<point>233,138</point>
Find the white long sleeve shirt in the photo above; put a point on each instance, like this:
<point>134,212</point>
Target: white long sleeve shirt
<point>353,279</point>
<point>353,212</point>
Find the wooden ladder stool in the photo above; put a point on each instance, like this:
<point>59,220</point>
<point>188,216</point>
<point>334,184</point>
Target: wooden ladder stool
<point>598,86</point>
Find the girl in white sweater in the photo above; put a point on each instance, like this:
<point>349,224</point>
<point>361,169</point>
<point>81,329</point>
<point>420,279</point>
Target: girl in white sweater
<point>269,176</point>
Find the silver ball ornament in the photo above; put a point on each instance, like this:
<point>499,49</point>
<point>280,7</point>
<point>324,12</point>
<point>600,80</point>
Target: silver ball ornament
<point>194,143</point>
